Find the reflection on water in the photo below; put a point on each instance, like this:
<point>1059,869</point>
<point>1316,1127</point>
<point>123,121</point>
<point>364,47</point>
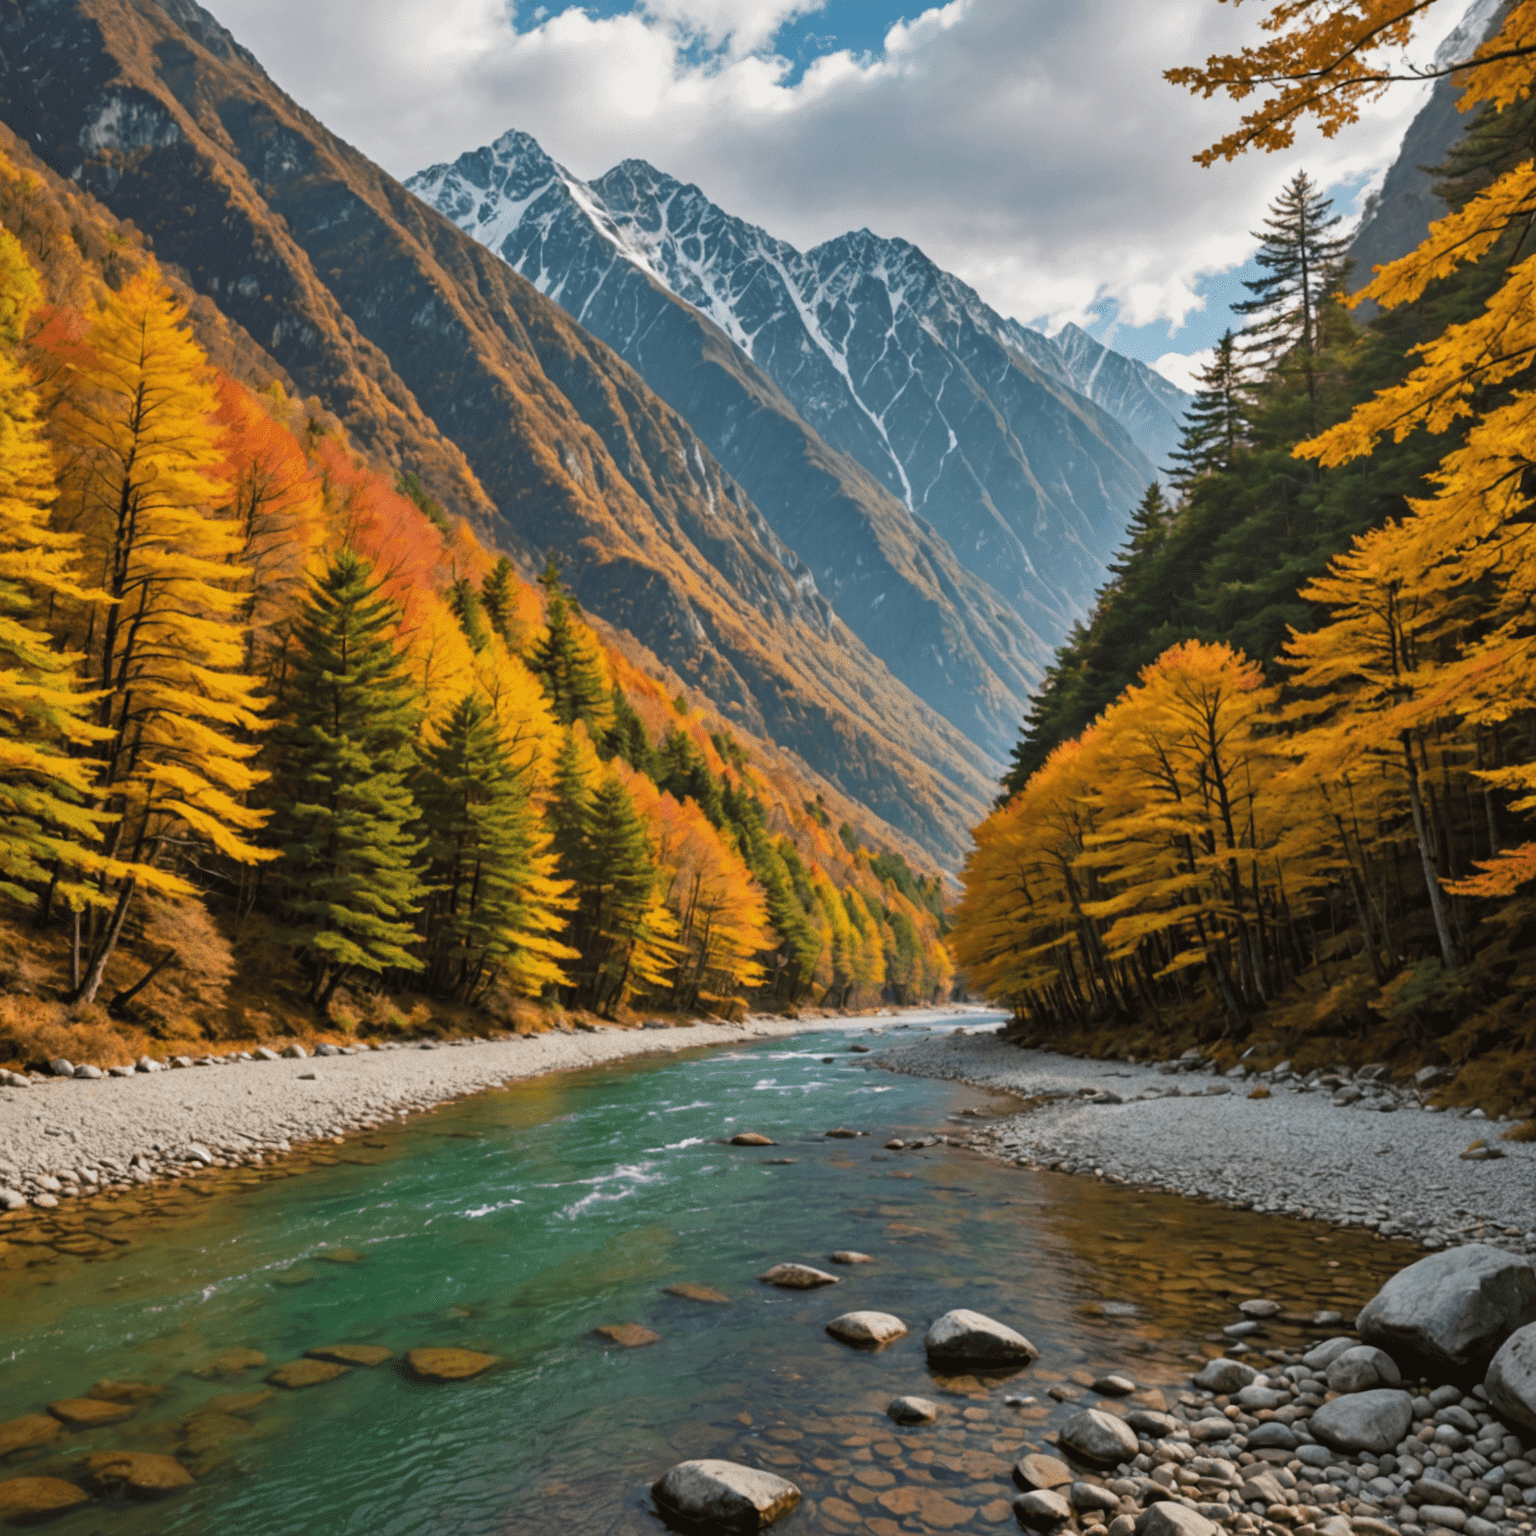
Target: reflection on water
<point>518,1222</point>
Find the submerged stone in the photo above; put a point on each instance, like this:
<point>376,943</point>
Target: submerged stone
<point>88,1412</point>
<point>628,1335</point>
<point>351,1354</point>
<point>126,1391</point>
<point>230,1363</point>
<point>689,1291</point>
<point>447,1364</point>
<point>26,1499</point>
<point>138,1471</point>
<point>797,1277</point>
<point>725,1495</point>
<point>305,1373</point>
<point>26,1434</point>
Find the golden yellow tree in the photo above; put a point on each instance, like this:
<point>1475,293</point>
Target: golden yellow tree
<point>140,450</point>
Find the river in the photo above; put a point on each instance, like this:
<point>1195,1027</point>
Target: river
<point>518,1221</point>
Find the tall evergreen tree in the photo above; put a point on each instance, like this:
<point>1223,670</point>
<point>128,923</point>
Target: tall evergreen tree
<point>565,659</point>
<point>467,609</point>
<point>499,600</point>
<point>627,737</point>
<point>1215,426</point>
<point>1303,266</point>
<point>490,902</point>
<point>344,809</point>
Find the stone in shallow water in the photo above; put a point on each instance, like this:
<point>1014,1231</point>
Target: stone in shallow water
<point>752,1139</point>
<point>236,1402</point>
<point>850,1256</point>
<point>798,1277</point>
<point>976,1339</point>
<point>689,1291</point>
<point>1098,1437</point>
<point>26,1499</point>
<point>341,1256</point>
<point>1041,1510</point>
<point>26,1434</point>
<point>351,1354</point>
<point>138,1471</point>
<point>205,1433</point>
<point>88,1412</point>
<point>1259,1307</point>
<point>725,1494</point>
<point>299,1274</point>
<point>1114,1385</point>
<point>627,1335</point>
<point>780,1162</point>
<point>125,1391</point>
<point>1145,1421</point>
<point>230,1363</point>
<point>1038,1470</point>
<point>912,1410</point>
<point>867,1329</point>
<point>842,1133</point>
<point>305,1373</point>
<point>447,1364</point>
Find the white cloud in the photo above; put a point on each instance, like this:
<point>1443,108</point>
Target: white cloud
<point>1031,146</point>
<point>1181,368</point>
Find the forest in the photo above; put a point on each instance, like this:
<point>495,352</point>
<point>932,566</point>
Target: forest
<point>1280,782</point>
<point>270,718</point>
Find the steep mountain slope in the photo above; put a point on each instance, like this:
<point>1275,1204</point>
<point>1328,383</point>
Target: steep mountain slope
<point>939,628</point>
<point>439,358</point>
<point>971,425</point>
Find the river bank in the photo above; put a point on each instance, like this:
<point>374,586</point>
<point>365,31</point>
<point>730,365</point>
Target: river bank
<point>62,1137</point>
<point>1294,1151</point>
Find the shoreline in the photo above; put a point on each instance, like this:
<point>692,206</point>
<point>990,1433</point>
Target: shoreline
<point>1381,1161</point>
<point>66,1138</point>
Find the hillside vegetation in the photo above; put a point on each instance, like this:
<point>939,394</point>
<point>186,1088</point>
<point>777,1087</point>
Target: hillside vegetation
<point>1277,791</point>
<point>284,746</point>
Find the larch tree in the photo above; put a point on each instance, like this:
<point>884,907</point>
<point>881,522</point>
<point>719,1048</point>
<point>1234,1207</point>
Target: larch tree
<point>343,811</point>
<point>136,428</point>
<point>47,827</point>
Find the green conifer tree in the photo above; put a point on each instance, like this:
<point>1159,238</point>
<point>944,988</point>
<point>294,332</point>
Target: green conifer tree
<point>565,660</point>
<point>482,837</point>
<point>614,894</point>
<point>627,737</point>
<point>1216,424</point>
<point>498,600</point>
<point>343,804</point>
<point>465,602</point>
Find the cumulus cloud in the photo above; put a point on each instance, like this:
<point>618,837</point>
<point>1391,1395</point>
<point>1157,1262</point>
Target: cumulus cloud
<point>1031,146</point>
<point>1184,368</point>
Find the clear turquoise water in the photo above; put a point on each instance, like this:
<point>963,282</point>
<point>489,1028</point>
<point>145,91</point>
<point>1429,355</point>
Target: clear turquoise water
<point>517,1222</point>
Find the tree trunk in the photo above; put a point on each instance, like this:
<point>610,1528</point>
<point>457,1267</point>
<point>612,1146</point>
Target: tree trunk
<point>103,953</point>
<point>128,994</point>
<point>1448,952</point>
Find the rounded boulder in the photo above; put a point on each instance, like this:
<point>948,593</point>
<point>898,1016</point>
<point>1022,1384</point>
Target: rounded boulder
<point>27,1499</point>
<point>797,1277</point>
<point>971,1338</point>
<point>1372,1421</point>
<point>1362,1368</point>
<point>725,1495</point>
<point>1043,1509</point>
<point>1511,1380</point>
<point>1099,1438</point>
<point>866,1330</point>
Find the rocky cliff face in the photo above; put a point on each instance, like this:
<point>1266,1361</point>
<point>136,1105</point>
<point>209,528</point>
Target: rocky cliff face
<point>440,359</point>
<point>973,423</point>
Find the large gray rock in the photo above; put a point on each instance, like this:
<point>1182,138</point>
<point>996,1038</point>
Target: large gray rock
<point>725,1494</point>
<point>1098,1437</point>
<point>1511,1380</point>
<point>1148,1422</point>
<point>1454,1308</point>
<point>1362,1368</point>
<point>1320,1356</point>
<point>970,1338</point>
<point>1224,1376</point>
<point>1167,1519</point>
<point>1364,1421</point>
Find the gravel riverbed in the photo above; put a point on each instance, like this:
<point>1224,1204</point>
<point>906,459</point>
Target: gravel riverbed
<point>66,1136</point>
<point>1377,1158</point>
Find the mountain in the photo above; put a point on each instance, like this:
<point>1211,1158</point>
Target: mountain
<point>941,629</point>
<point>971,422</point>
<point>442,361</point>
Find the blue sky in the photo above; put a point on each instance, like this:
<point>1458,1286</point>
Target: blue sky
<point>1032,147</point>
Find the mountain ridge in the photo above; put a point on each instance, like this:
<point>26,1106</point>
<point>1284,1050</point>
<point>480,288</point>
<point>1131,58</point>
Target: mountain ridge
<point>439,359</point>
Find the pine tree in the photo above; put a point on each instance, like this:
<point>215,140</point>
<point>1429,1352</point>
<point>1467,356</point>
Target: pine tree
<point>1215,426</point>
<point>343,809</point>
<point>627,737</point>
<point>467,609</point>
<point>45,791</point>
<point>165,636</point>
<point>1145,533</point>
<point>1303,267</point>
<point>566,659</point>
<point>499,599</point>
<point>491,903</point>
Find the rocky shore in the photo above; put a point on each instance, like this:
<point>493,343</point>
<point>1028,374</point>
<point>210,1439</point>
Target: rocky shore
<point>78,1130</point>
<point>1350,1148</point>
<point>1419,1423</point>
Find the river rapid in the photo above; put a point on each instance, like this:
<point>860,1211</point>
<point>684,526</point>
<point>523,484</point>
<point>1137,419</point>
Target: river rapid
<point>517,1222</point>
